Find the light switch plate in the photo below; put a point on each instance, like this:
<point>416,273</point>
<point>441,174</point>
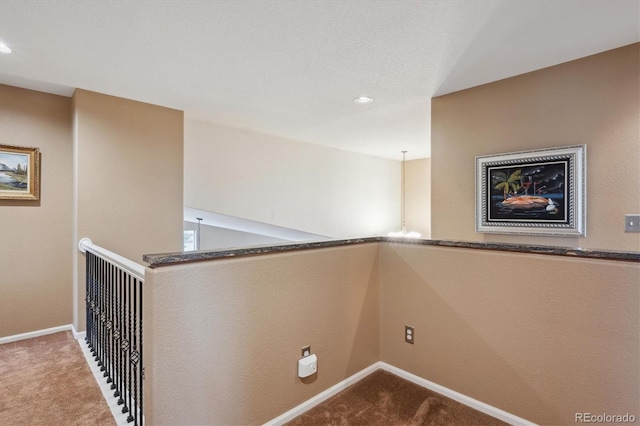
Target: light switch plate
<point>632,223</point>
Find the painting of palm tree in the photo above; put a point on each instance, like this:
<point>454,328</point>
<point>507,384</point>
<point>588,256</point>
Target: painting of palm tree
<point>507,184</point>
<point>532,192</point>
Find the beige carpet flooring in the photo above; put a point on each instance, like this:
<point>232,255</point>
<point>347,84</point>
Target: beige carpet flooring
<point>46,381</point>
<point>385,399</point>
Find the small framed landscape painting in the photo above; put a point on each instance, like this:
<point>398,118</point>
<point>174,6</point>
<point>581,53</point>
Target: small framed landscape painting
<point>539,192</point>
<point>19,173</point>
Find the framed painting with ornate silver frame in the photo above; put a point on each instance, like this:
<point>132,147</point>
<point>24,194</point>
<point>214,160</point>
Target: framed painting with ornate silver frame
<point>19,173</point>
<point>539,192</point>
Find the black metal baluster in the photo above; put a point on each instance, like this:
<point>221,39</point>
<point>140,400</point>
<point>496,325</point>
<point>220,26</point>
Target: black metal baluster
<point>112,322</point>
<point>87,299</point>
<point>120,388</point>
<point>105,321</point>
<point>109,323</point>
<point>103,270</point>
<point>112,308</point>
<point>103,267</point>
<point>129,337</point>
<point>98,309</point>
<point>115,331</point>
<point>91,303</point>
<point>141,406</point>
<point>94,305</point>
<point>134,353</point>
<point>125,348</point>
<point>103,316</point>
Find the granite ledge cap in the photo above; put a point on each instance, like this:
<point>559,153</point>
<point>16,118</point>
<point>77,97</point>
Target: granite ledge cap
<point>166,259</point>
<point>630,256</point>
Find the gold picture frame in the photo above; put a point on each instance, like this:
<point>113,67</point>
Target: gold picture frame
<point>19,173</point>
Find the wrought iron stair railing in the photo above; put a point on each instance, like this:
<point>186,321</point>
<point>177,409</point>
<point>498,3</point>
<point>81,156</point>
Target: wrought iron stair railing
<point>114,287</point>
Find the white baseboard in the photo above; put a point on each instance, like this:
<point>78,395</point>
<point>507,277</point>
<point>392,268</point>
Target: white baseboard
<point>322,396</point>
<point>105,388</point>
<point>37,333</point>
<point>30,335</point>
<point>456,396</point>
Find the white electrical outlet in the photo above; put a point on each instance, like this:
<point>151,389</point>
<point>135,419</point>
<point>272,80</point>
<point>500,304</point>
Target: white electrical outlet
<point>305,351</point>
<point>409,334</point>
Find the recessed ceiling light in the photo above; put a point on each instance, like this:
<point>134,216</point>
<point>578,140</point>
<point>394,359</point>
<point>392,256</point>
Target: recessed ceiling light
<point>363,100</point>
<point>4,48</point>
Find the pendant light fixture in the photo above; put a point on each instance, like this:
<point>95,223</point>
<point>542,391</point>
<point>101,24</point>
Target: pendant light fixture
<point>199,219</point>
<point>403,222</point>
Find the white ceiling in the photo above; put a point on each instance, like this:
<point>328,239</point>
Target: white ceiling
<point>291,68</point>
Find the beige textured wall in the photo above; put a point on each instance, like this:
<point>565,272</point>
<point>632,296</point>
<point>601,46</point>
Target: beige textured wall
<point>214,238</point>
<point>287,183</point>
<point>541,337</point>
<point>35,236</point>
<point>129,177</point>
<point>222,338</point>
<point>591,101</point>
<point>418,196</point>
